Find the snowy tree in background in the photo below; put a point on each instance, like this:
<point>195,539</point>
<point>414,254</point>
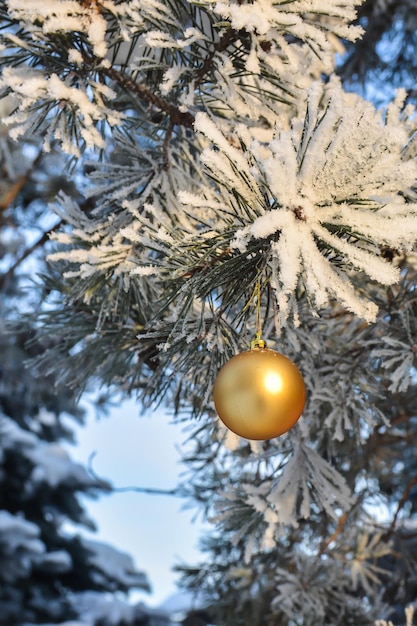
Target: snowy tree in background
<point>217,148</point>
<point>49,572</point>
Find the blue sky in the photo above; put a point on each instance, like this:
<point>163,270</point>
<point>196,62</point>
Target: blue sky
<point>136,450</point>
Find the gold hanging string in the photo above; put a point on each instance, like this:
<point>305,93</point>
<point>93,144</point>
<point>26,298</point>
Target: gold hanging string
<point>258,310</point>
<point>251,299</point>
<point>258,342</point>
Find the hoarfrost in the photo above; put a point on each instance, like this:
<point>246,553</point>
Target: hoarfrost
<point>398,359</point>
<point>308,22</point>
<point>30,87</point>
<point>63,16</point>
<point>328,193</point>
<point>306,477</point>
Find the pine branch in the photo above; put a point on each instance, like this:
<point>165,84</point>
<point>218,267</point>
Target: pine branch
<point>339,528</point>
<point>176,116</point>
<point>11,194</point>
<point>411,483</point>
<point>27,253</point>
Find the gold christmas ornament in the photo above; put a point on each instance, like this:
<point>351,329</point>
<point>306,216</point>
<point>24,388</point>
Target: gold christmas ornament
<point>260,393</point>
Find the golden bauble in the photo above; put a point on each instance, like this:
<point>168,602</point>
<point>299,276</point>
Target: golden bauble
<point>259,394</point>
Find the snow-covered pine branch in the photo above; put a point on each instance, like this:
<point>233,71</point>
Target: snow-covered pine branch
<point>329,194</point>
<point>60,62</point>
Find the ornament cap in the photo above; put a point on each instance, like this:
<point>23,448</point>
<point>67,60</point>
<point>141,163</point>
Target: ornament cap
<point>258,342</point>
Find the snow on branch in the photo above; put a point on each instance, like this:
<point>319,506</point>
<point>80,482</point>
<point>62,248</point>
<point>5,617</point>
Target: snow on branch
<point>51,463</point>
<point>305,483</point>
<point>88,18</point>
<point>20,546</point>
<point>329,194</point>
<point>113,567</point>
<point>86,106</point>
<point>47,66</point>
<point>252,59</point>
<point>303,20</point>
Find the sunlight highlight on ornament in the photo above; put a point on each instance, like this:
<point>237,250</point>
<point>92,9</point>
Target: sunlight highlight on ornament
<point>273,382</point>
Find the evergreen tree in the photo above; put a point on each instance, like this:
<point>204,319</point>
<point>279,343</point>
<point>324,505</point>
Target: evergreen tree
<point>229,170</point>
<point>48,572</point>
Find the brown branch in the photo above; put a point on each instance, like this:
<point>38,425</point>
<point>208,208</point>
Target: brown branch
<point>220,46</point>
<point>177,117</point>
<point>340,526</point>
<point>13,191</point>
<point>388,438</point>
<point>205,266</point>
<point>401,503</point>
<point>30,250</point>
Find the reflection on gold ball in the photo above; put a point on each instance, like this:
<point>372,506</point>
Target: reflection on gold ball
<point>259,394</point>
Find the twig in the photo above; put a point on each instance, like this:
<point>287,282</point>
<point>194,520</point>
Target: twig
<point>220,46</point>
<point>182,118</point>
<point>177,117</point>
<point>148,490</point>
<point>38,243</point>
<point>401,503</point>
<point>11,194</point>
<point>206,265</point>
<point>340,525</point>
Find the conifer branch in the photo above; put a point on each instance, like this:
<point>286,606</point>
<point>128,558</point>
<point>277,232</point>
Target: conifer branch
<point>297,184</point>
<point>177,117</point>
<point>411,483</point>
<point>9,196</point>
<point>28,252</point>
<point>339,528</point>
